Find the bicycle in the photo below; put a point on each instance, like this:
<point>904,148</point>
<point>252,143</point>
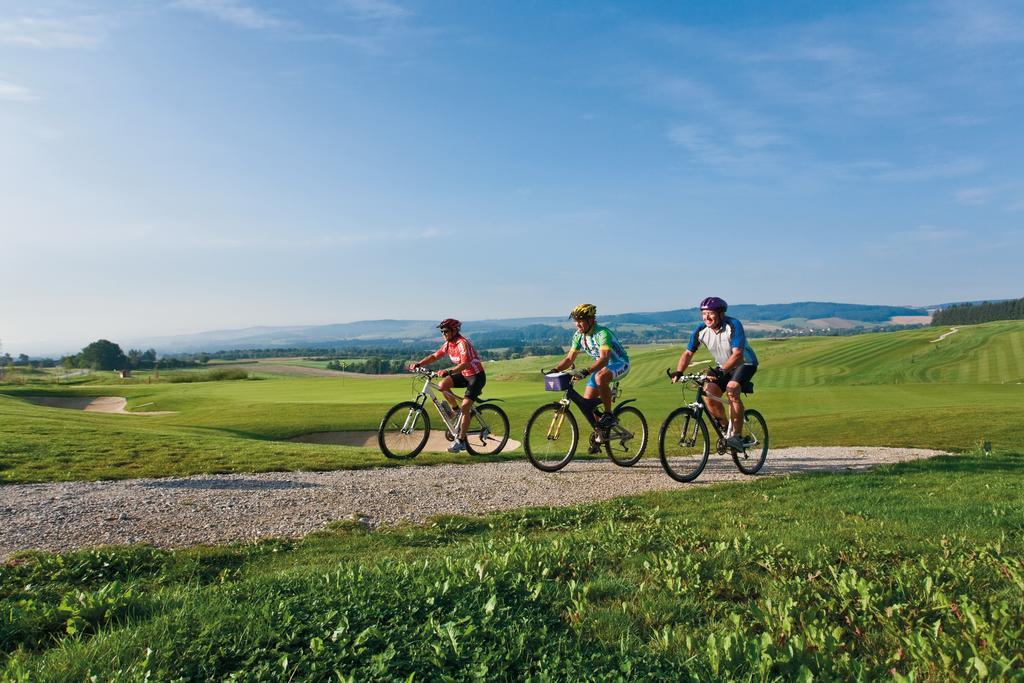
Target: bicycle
<point>406,426</point>
<point>552,433</point>
<point>683,443</point>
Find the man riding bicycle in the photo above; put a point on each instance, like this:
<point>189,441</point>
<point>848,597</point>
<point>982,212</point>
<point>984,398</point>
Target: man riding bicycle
<point>470,377</point>
<point>725,339</point>
<point>611,364</point>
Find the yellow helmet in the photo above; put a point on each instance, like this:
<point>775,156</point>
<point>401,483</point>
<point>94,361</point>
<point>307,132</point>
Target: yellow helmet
<point>583,312</point>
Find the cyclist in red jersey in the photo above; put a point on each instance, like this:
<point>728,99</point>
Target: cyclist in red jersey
<point>467,373</point>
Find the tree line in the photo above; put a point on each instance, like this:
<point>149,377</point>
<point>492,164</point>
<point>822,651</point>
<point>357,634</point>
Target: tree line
<point>970,314</point>
<point>397,360</point>
<point>104,354</point>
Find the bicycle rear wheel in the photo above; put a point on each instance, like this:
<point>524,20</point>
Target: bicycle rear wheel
<point>404,430</point>
<point>487,433</point>
<point>755,437</point>
<point>627,440</point>
<point>683,445</point>
<point>551,437</point>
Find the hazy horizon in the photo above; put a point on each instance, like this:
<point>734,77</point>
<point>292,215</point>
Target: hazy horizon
<point>71,345</point>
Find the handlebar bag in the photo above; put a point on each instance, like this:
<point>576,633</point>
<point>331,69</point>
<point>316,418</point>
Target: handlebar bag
<point>557,381</point>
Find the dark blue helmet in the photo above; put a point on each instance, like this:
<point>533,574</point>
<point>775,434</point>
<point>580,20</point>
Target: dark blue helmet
<point>713,303</point>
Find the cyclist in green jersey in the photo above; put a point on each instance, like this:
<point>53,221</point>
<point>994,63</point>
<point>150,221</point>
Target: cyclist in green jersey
<point>611,362</point>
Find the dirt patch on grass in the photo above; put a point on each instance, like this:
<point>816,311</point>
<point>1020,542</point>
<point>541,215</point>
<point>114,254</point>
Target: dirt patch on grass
<point>952,330</point>
<point>911,320</point>
<point>92,404</point>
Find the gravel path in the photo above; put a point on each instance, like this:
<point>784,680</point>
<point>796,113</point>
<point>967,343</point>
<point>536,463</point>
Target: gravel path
<point>224,508</point>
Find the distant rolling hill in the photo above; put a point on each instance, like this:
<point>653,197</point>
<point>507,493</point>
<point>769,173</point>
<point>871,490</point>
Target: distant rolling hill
<point>796,317</point>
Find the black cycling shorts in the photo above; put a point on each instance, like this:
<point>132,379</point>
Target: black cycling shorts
<point>474,384</point>
<point>742,374</point>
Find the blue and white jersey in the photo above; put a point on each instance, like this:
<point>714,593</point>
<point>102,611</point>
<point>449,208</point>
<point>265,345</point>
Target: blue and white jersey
<point>721,343</point>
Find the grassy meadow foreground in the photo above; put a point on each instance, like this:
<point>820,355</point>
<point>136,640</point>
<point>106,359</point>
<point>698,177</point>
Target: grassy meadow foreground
<point>860,576</point>
<point>893,389</point>
<point>905,572</point>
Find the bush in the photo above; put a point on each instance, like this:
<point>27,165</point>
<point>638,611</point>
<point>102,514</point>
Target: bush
<point>220,375</point>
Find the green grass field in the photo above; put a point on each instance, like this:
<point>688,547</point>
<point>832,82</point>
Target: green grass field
<point>906,572</point>
<point>890,389</point>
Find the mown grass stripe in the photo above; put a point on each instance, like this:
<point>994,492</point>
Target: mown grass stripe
<point>1015,340</point>
<point>853,357</point>
<point>1002,363</point>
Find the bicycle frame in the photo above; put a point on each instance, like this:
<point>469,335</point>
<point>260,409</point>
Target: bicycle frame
<point>585,405</point>
<point>428,391</point>
<point>700,407</point>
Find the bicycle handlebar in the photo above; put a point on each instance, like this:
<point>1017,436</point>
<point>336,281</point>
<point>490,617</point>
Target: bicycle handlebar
<point>696,377</point>
<point>424,371</point>
<point>576,374</point>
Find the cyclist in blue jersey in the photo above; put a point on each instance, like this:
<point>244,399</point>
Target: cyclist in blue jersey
<point>611,362</point>
<point>725,339</point>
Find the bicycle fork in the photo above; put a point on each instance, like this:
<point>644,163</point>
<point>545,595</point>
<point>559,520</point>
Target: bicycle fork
<point>556,424</point>
<point>691,439</point>
<point>410,420</point>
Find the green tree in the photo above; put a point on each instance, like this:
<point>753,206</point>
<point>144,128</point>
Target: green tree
<point>102,355</point>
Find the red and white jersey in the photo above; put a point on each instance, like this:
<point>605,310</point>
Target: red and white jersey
<point>459,350</point>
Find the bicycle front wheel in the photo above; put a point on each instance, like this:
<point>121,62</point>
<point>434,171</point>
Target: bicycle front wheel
<point>683,445</point>
<point>755,440</point>
<point>404,430</point>
<point>627,440</point>
<point>551,437</point>
<point>488,430</point>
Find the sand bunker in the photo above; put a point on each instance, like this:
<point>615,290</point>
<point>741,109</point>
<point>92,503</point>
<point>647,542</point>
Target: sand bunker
<point>436,443</point>
<point>92,404</point>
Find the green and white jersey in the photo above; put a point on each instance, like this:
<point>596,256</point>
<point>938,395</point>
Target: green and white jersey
<point>600,338</point>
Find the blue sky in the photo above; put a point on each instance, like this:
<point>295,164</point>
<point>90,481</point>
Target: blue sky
<point>173,166</point>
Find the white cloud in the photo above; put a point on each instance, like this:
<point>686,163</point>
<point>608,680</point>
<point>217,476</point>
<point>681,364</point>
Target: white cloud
<point>964,121</point>
<point>683,93</point>
<point>84,32</point>
<point>735,154</point>
<point>974,196</point>
<point>912,242</point>
<point>235,12</point>
<point>981,22</point>
<point>928,234</point>
<point>699,142</point>
<point>1008,195</point>
<point>12,92</point>
<point>936,171</point>
<point>374,10</point>
<point>754,140</point>
<point>109,238</point>
<point>345,239</point>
